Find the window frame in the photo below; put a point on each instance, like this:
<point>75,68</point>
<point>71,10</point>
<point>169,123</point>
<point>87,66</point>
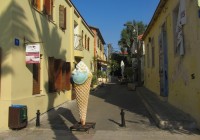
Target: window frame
<point>62,17</point>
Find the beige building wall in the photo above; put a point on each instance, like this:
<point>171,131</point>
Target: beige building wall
<point>86,40</point>
<point>183,71</point>
<point>19,20</point>
<point>88,54</point>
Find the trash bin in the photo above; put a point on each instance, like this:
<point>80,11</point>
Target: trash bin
<point>17,116</point>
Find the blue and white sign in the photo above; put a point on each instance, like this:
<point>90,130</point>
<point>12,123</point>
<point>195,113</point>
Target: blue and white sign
<point>16,42</point>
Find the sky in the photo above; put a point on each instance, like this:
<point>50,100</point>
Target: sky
<point>111,15</point>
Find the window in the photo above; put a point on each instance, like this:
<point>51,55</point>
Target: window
<point>36,78</point>
<point>85,41</point>
<point>36,4</point>
<point>98,44</point>
<point>82,35</point>
<point>68,75</point>
<point>48,8</point>
<point>51,74</point>
<point>59,75</point>
<point>148,56</point>
<point>88,42</point>
<point>152,53</point>
<point>62,17</point>
<point>0,70</point>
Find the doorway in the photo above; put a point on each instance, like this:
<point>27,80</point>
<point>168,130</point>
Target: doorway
<point>163,61</point>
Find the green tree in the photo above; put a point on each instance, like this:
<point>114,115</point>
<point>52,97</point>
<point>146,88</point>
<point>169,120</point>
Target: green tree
<point>130,33</point>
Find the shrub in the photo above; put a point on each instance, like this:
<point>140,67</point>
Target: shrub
<point>128,71</point>
<point>94,80</point>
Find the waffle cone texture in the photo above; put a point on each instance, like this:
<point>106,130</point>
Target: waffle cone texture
<point>82,94</point>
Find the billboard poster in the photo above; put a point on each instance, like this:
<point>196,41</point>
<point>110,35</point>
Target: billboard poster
<point>32,53</point>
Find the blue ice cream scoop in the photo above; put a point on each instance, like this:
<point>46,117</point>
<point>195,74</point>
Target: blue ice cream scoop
<point>79,77</point>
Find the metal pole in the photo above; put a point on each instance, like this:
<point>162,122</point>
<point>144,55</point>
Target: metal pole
<point>38,118</point>
<point>123,124</point>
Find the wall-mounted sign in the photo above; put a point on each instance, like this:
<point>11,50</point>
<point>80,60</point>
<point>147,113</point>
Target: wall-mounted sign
<point>32,53</point>
<point>16,42</point>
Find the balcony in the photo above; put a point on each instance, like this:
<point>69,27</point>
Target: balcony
<point>78,47</point>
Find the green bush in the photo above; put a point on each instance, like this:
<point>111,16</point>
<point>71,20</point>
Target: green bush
<point>128,71</point>
<point>94,80</point>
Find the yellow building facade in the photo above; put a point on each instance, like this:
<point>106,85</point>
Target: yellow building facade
<point>170,71</point>
<point>55,26</point>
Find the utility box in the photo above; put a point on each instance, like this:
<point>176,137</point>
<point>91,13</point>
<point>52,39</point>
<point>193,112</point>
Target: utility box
<point>17,116</point>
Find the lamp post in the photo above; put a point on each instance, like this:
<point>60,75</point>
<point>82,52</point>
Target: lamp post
<point>135,50</point>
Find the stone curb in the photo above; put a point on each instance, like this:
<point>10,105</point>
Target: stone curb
<point>149,108</point>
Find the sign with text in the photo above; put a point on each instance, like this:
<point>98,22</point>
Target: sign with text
<point>32,53</point>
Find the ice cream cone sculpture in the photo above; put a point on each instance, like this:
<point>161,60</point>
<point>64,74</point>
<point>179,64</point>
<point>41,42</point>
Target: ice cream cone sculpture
<point>82,78</point>
<point>82,96</point>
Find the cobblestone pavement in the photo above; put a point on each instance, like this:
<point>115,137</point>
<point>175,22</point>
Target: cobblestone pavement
<point>105,104</point>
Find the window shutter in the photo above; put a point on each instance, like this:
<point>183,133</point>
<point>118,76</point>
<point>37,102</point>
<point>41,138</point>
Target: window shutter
<point>65,22</point>
<point>88,44</point>
<point>62,17</point>
<point>36,4</point>
<point>47,6</point>
<point>85,42</point>
<point>68,76</point>
<point>0,69</point>
<point>64,76</point>
<point>82,39</point>
<point>58,74</point>
<point>51,74</point>
<point>36,78</point>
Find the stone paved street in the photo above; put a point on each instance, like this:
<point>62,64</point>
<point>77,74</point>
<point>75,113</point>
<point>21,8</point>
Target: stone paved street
<point>105,104</point>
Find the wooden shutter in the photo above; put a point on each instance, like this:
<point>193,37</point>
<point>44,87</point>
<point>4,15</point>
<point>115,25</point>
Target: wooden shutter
<point>68,76</point>
<point>58,74</point>
<point>47,6</point>
<point>62,17</point>
<point>36,4</point>
<point>64,76</point>
<point>51,74</point>
<point>88,43</point>
<point>85,42</point>
<point>36,78</point>
<point>0,69</point>
<point>65,21</point>
<point>82,39</point>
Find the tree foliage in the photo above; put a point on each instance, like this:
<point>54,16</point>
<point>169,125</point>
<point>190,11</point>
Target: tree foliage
<point>130,33</point>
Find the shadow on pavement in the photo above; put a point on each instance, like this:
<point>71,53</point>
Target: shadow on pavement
<point>59,121</point>
<point>119,95</point>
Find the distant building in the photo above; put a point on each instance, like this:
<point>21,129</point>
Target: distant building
<point>100,58</point>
